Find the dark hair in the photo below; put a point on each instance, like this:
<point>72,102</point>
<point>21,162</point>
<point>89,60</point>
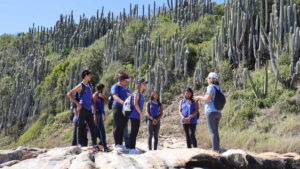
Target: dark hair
<point>188,89</point>
<point>215,82</point>
<point>85,73</point>
<point>100,87</point>
<point>152,97</point>
<point>122,76</point>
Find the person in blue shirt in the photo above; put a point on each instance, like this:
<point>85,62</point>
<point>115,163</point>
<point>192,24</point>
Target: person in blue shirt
<point>99,101</point>
<point>85,108</point>
<point>120,94</point>
<point>137,114</point>
<point>154,114</point>
<point>213,115</point>
<point>188,111</point>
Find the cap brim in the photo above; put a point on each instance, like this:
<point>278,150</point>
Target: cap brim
<point>128,80</point>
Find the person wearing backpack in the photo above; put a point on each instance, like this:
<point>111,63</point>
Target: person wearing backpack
<point>85,108</point>
<point>136,113</point>
<point>119,93</point>
<point>188,111</point>
<point>154,114</point>
<point>214,102</point>
<point>99,100</point>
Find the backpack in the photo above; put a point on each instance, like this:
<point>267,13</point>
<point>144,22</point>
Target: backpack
<point>219,100</point>
<point>111,99</point>
<point>128,106</point>
<point>77,97</point>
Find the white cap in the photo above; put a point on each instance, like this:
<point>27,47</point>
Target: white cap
<point>212,75</point>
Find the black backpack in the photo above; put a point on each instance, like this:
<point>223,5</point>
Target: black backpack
<point>77,97</point>
<point>111,99</point>
<point>219,100</point>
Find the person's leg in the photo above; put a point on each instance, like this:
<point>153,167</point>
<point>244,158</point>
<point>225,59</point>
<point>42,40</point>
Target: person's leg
<point>101,129</point>
<point>126,136</point>
<point>117,125</point>
<point>156,132</point>
<point>74,141</point>
<point>150,134</point>
<point>218,118</point>
<point>81,127</point>
<point>91,124</point>
<point>186,128</point>
<point>192,134</point>
<point>135,125</point>
<point>212,126</point>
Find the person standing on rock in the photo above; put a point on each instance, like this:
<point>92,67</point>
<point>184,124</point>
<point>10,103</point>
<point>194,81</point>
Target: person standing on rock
<point>136,114</point>
<point>188,111</point>
<point>99,100</point>
<point>154,113</point>
<point>119,93</point>
<point>213,115</point>
<point>85,108</point>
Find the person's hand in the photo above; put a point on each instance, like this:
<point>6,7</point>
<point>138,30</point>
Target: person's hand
<point>79,106</point>
<point>105,118</point>
<point>153,121</point>
<point>95,119</point>
<point>141,115</point>
<point>186,120</point>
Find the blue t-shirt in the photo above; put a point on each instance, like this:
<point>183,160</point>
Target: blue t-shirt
<point>187,110</point>
<point>209,106</point>
<point>121,92</point>
<point>135,114</point>
<point>99,103</point>
<point>86,97</point>
<point>154,109</point>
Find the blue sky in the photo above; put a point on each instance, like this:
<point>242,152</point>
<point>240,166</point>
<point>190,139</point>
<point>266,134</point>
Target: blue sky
<point>18,15</point>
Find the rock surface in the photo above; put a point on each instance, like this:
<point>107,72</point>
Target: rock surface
<point>84,158</point>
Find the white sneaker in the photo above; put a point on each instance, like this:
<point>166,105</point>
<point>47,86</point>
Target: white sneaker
<point>134,151</point>
<point>119,147</point>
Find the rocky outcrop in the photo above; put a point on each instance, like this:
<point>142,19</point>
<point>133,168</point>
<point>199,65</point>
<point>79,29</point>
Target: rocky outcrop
<point>78,158</point>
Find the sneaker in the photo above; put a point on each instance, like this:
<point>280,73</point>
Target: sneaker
<point>134,151</point>
<point>96,148</point>
<point>119,147</point>
<point>107,150</point>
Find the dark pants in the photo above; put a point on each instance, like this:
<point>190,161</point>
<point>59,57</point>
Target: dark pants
<point>190,130</point>
<point>135,126</point>
<point>86,116</point>
<point>74,141</point>
<point>153,130</point>
<point>75,132</point>
<point>100,130</point>
<point>126,136</point>
<point>120,122</point>
<point>213,119</point>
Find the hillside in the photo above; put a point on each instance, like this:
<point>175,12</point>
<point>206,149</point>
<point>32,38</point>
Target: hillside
<point>253,45</point>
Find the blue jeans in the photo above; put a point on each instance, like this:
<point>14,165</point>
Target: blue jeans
<point>100,130</point>
<point>213,119</point>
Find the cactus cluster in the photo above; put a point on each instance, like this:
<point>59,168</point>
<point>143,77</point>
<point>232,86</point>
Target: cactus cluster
<point>253,32</point>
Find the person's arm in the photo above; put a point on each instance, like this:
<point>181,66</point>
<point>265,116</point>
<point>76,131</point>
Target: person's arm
<point>196,111</point>
<point>115,95</point>
<point>180,109</point>
<point>161,112</point>
<point>208,95</point>
<point>70,94</point>
<point>148,111</point>
<point>103,97</point>
<point>94,99</point>
<point>136,103</point>
<point>206,98</point>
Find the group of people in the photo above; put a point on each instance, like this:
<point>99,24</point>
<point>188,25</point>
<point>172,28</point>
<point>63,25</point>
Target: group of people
<point>89,113</point>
